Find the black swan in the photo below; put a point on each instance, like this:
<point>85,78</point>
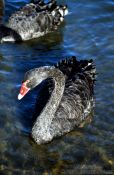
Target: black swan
<point>32,21</point>
<point>70,99</point>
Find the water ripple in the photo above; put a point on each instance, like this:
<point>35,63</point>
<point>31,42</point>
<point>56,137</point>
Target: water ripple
<point>86,33</point>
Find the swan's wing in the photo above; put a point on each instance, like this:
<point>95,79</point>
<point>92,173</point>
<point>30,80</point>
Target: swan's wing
<point>77,101</point>
<point>32,26</point>
<point>78,93</point>
<point>75,108</point>
<point>30,12</point>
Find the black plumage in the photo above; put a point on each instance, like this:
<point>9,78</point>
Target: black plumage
<point>34,20</point>
<point>65,98</point>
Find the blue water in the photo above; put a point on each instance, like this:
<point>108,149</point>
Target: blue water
<point>88,32</point>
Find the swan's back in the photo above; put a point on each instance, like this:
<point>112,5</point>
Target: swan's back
<point>36,19</point>
<point>77,101</point>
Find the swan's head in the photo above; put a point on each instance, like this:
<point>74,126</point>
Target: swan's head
<point>33,78</point>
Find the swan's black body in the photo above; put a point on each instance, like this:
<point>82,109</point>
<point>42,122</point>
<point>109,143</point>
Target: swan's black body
<point>34,20</point>
<point>65,103</point>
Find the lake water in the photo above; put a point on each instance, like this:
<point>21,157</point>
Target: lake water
<point>88,32</point>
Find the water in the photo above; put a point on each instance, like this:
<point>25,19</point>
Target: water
<point>87,33</point>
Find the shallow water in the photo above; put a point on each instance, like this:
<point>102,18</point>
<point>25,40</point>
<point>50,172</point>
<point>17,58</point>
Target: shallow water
<point>87,33</point>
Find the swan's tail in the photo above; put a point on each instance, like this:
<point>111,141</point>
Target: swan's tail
<point>72,66</point>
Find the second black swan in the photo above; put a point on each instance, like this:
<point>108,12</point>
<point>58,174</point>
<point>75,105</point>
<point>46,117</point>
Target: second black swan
<point>65,97</point>
<point>32,21</point>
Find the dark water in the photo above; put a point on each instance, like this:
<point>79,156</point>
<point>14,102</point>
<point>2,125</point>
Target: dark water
<point>88,32</point>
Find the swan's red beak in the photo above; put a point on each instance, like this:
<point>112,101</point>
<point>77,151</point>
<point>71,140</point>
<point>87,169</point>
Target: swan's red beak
<point>23,91</point>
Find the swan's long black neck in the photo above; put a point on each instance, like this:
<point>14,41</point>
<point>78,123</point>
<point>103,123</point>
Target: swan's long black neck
<point>40,130</point>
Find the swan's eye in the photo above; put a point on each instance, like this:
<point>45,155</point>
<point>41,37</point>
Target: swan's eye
<point>29,84</point>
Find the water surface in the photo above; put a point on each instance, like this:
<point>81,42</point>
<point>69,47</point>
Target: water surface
<point>88,32</point>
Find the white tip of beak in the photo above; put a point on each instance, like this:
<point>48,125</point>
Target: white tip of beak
<point>20,97</point>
